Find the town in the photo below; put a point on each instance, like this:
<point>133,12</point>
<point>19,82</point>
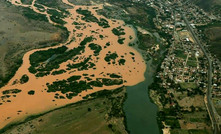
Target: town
<point>181,89</point>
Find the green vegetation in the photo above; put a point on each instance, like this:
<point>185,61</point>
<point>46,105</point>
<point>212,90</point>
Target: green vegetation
<point>57,16</point>
<point>42,74</point>
<point>40,7</point>
<point>103,23</point>
<point>115,76</point>
<point>192,63</point>
<point>31,92</point>
<point>213,37</point>
<point>139,14</point>
<point>110,57</point>
<point>46,57</point>
<point>28,2</point>
<point>86,40</point>
<point>11,91</point>
<point>121,40</point>
<point>96,83</point>
<point>103,113</point>
<point>52,58</point>
<point>188,85</point>
<point>145,40</point>
<point>24,79</point>
<point>57,20</point>
<point>173,122</point>
<point>5,79</point>
<point>74,78</point>
<point>41,56</point>
<point>180,54</point>
<point>111,82</point>
<point>58,4</point>
<point>97,48</point>
<point>29,13</point>
<point>132,53</point>
<point>71,88</point>
<point>89,17</point>
<point>19,21</point>
<point>73,85</point>
<point>84,65</point>
<point>121,61</point>
<point>107,44</point>
<point>58,72</point>
<point>209,5</point>
<point>118,31</point>
<point>56,13</point>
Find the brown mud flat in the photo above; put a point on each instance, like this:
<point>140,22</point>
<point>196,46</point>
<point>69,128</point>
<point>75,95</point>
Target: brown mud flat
<point>16,102</point>
<point>95,115</point>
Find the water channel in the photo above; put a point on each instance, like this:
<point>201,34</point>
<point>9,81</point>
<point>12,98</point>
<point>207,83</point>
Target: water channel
<point>141,113</point>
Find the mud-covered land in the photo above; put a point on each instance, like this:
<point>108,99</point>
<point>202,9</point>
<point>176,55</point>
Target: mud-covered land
<point>150,42</point>
<point>21,30</point>
<point>102,113</point>
<point>57,4</point>
<point>141,17</point>
<point>96,56</point>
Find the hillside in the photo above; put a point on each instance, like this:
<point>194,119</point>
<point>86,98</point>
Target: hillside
<point>208,5</point>
<point>18,27</point>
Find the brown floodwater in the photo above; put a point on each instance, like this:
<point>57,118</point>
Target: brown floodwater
<point>23,105</point>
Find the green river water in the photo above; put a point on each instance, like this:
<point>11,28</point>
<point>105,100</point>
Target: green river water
<point>141,113</point>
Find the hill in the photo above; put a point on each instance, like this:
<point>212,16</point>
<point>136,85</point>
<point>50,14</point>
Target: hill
<point>18,27</point>
<point>208,5</point>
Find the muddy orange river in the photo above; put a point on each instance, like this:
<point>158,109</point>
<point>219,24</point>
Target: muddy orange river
<point>19,106</point>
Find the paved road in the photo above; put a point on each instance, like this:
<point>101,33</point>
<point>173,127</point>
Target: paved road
<point>209,103</point>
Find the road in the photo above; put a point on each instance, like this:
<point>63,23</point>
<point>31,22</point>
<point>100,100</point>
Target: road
<point>209,103</point>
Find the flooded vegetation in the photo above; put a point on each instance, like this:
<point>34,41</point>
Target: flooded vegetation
<point>96,56</point>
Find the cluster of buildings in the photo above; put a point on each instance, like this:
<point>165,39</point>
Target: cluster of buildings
<point>185,67</point>
<point>198,17</point>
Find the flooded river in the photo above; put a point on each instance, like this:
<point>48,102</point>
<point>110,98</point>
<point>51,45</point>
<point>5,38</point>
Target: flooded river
<point>141,113</point>
<point>16,107</point>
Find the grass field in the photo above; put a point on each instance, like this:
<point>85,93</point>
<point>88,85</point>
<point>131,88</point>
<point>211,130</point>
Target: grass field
<point>180,54</point>
<point>187,85</point>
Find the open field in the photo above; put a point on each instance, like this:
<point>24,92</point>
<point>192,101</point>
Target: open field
<point>188,85</point>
